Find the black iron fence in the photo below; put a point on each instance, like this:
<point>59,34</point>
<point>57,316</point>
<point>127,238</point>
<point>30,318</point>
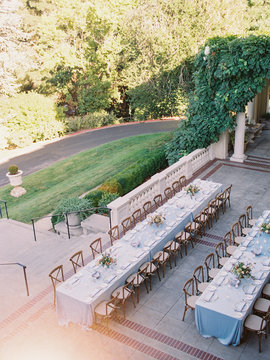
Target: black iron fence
<point>33,220</point>
<point>3,206</point>
<point>24,273</point>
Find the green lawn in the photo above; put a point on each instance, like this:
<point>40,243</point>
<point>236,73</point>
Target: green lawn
<point>76,175</point>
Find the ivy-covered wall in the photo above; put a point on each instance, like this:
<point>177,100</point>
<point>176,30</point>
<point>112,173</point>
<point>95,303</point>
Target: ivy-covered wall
<point>229,72</point>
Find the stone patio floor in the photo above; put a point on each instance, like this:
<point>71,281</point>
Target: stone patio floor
<point>154,329</point>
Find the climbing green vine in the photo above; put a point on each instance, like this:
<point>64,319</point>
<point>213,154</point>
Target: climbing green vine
<point>228,73</point>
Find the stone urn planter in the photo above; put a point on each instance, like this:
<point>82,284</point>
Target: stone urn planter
<point>74,220</point>
<point>15,178</point>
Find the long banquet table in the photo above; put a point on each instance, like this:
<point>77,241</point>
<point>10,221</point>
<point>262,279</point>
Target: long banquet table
<point>222,308</point>
<point>77,297</point>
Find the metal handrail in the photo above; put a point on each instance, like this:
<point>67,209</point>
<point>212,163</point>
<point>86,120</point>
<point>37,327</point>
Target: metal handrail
<point>24,272</point>
<point>66,217</point>
<point>5,204</point>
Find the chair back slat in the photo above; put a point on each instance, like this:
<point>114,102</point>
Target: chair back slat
<point>56,275</point>
<point>168,193</point>
<point>114,234</point>
<point>77,260</point>
<point>147,207</point>
<point>126,224</point>
<point>158,200</point>
<point>96,247</point>
<point>137,216</point>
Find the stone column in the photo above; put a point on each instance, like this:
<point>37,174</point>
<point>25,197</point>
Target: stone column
<point>238,154</point>
<point>250,112</point>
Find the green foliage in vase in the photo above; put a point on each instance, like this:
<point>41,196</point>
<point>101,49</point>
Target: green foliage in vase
<point>13,169</point>
<point>71,205</point>
<point>228,73</point>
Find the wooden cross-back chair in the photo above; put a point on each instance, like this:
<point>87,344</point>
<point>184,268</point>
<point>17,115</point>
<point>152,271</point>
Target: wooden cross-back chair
<point>258,325</point>
<point>236,233</point>
<point>221,254</point>
<point>105,311</point>
<point>182,182</point>
<point>184,237</point>
<point>147,208</point>
<point>250,220</point>
<point>243,222</point>
<point>228,195</point>
<point>200,284</point>
<point>137,216</point>
<point>126,224</point>
<point>138,279</point>
<point>56,275</point>
<point>229,243</point>
<point>96,247</point>
<point>168,193</point>
<point>150,268</point>
<point>190,298</point>
<point>114,234</point>
<point>77,260</point>
<point>123,293</point>
<point>211,270</point>
<point>175,187</point>
<point>162,257</point>
<point>158,200</point>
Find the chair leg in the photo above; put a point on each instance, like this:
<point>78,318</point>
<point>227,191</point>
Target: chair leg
<point>124,309</point>
<point>133,300</point>
<point>163,269</point>
<point>183,318</point>
<point>174,255</point>
<point>158,274</point>
<point>145,283</point>
<point>138,293</point>
<point>260,343</point>
<point>150,281</point>
<point>170,262</point>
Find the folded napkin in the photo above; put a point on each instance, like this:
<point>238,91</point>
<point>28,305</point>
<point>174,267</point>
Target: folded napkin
<point>250,289</point>
<point>256,251</point>
<point>237,254</point>
<point>149,242</point>
<point>240,306</point>
<point>228,266</point>
<point>74,281</point>
<point>161,233</point>
<point>208,296</point>
<point>139,254</point>
<point>94,292</point>
<point>245,242</point>
<point>124,266</point>
<point>219,280</point>
<point>258,275</point>
<point>266,262</point>
<point>110,278</point>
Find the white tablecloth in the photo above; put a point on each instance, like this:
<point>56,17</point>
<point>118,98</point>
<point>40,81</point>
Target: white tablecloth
<point>77,297</point>
<point>220,317</point>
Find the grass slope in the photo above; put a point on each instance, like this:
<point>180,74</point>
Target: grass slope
<point>76,175</point>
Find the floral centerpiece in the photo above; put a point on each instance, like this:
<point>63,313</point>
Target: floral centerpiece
<point>156,219</point>
<point>106,260</point>
<point>265,227</point>
<point>241,270</point>
<point>191,189</point>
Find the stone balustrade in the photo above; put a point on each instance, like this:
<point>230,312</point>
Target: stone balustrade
<point>124,206</point>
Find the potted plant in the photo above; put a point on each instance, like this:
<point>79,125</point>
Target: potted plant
<point>15,179</point>
<point>76,208</point>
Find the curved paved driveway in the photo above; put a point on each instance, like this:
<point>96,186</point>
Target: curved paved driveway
<point>70,145</point>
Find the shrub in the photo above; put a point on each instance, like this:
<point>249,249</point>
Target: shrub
<point>111,186</point>
<point>94,197</point>
<point>69,205</point>
<point>13,169</point>
<point>30,118</point>
<point>105,200</point>
<point>91,121</point>
<point>136,174</point>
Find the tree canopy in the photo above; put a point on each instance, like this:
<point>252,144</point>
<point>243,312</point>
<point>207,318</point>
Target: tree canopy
<point>228,73</point>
